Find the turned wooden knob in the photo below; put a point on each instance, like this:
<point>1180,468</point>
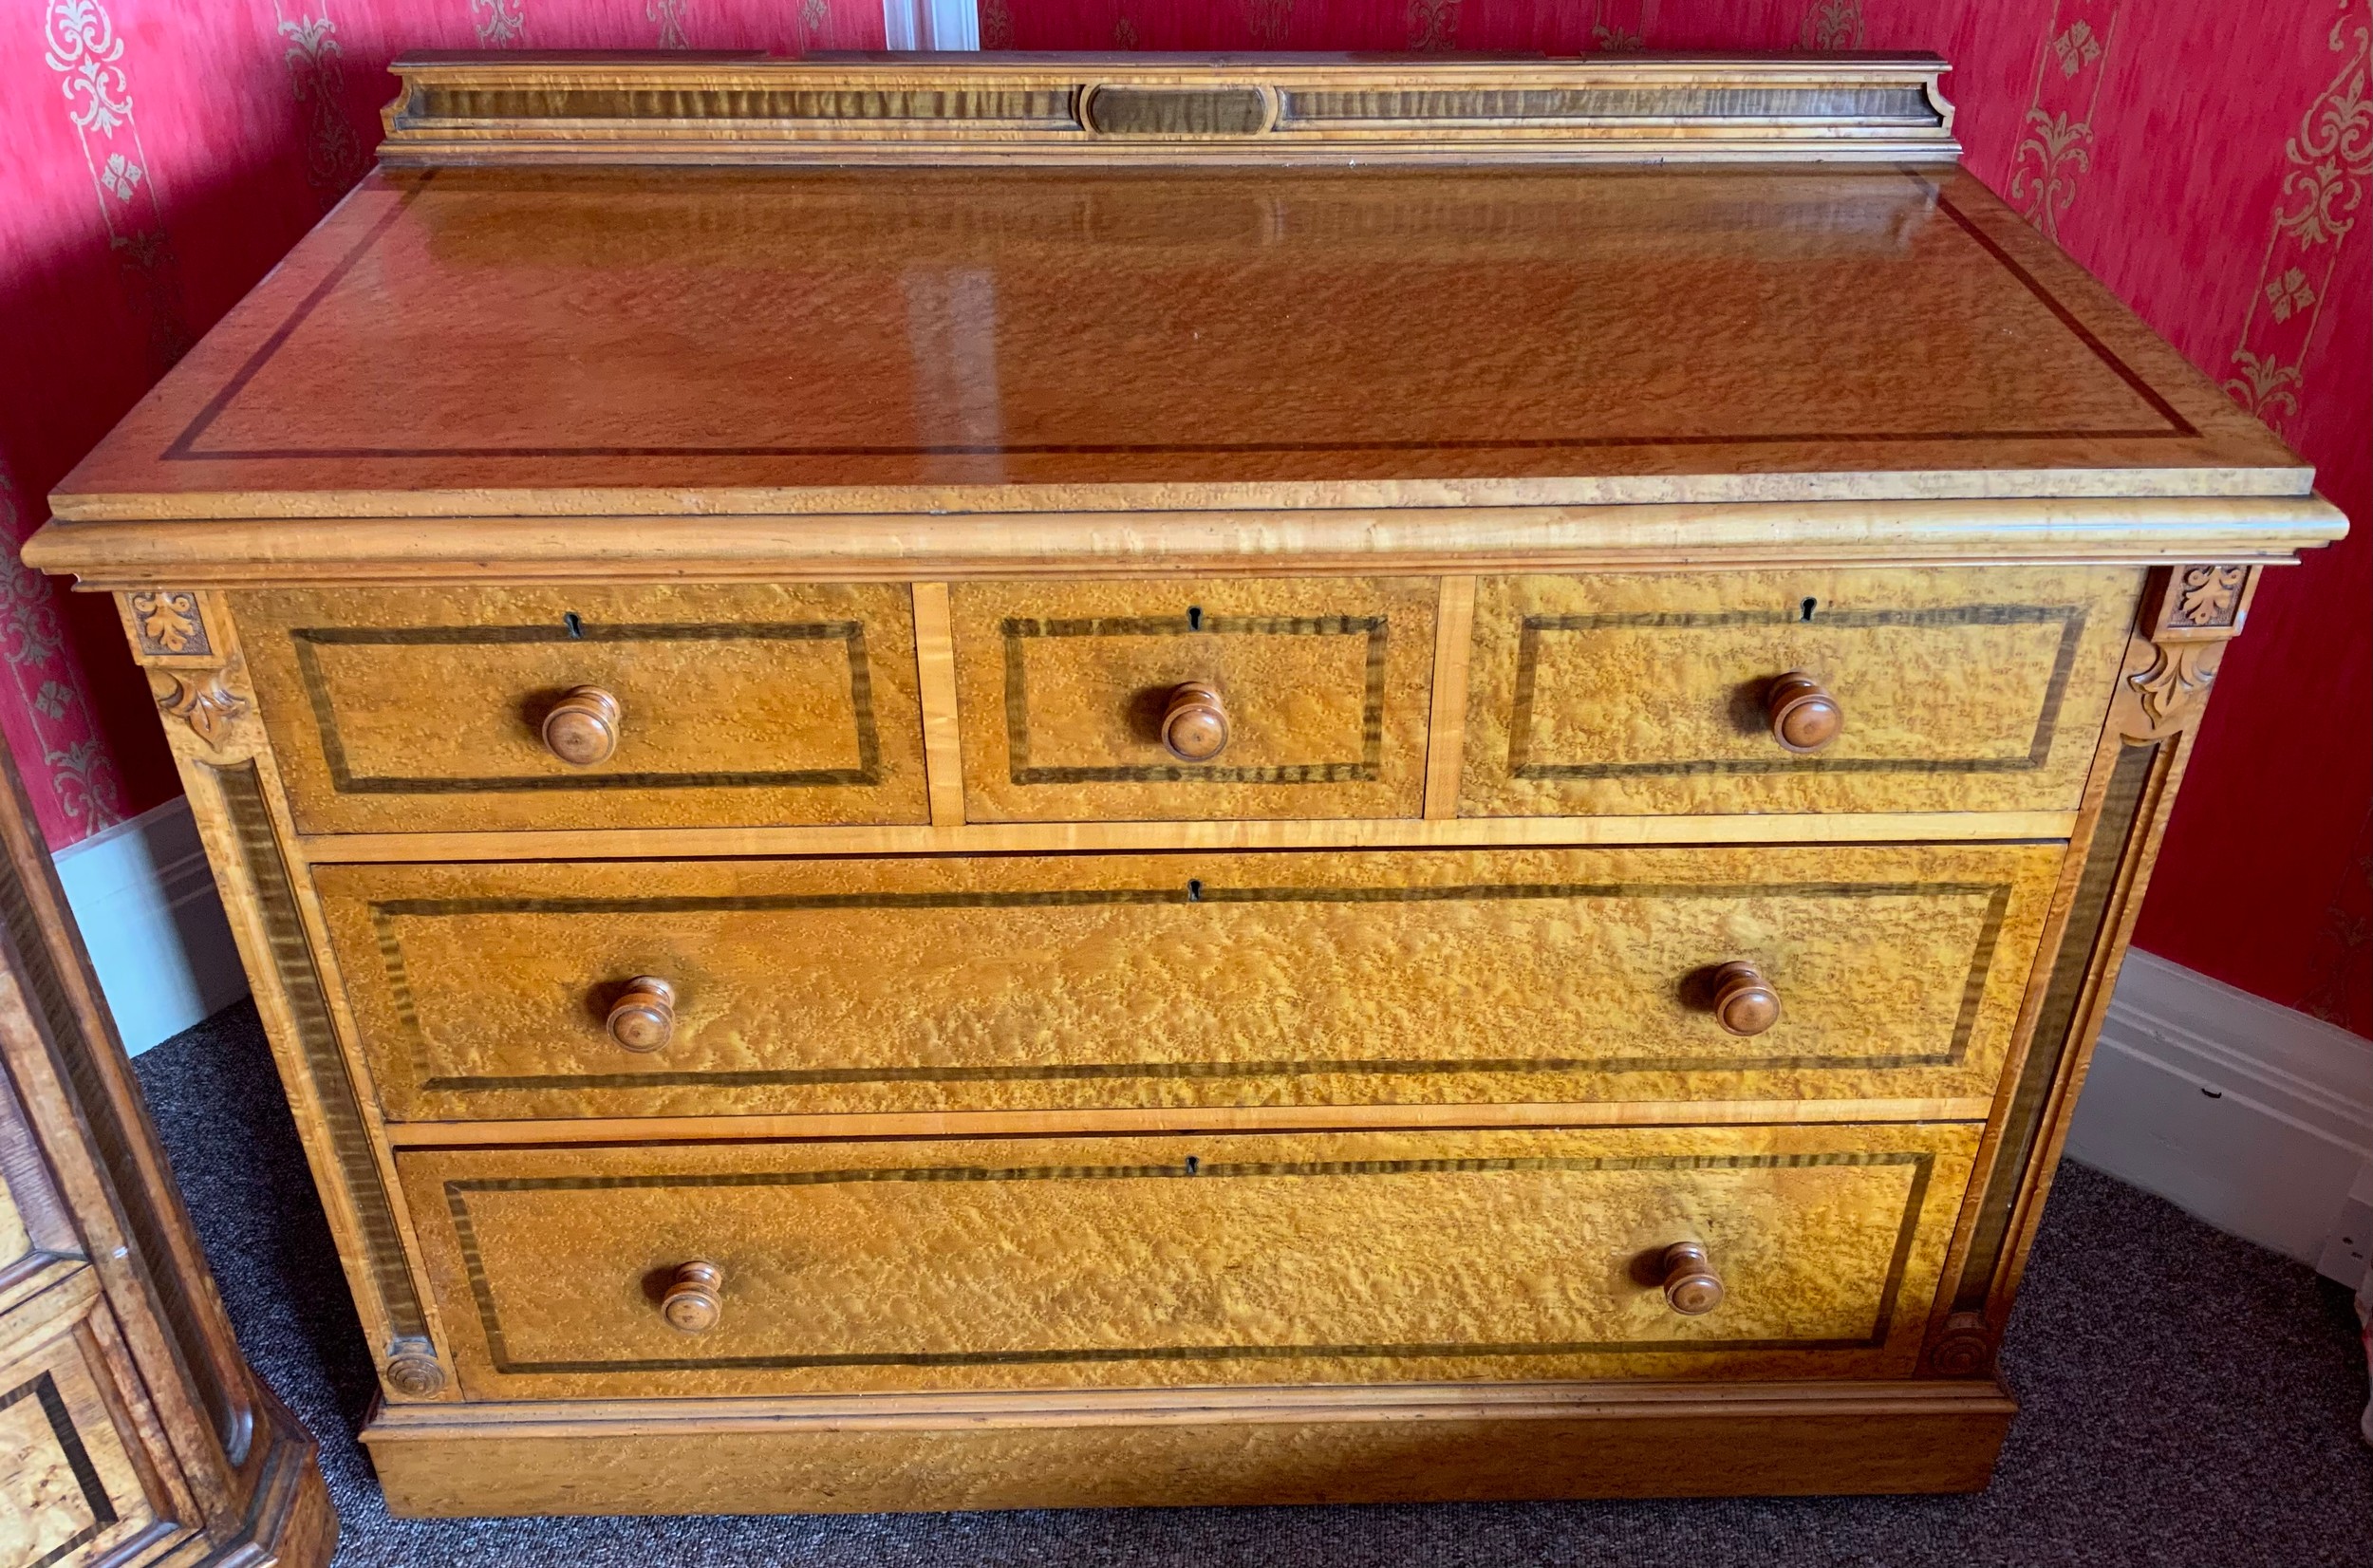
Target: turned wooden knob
<point>582,728</point>
<point>695,1297</point>
<point>1691,1285</point>
<point>1195,725</point>
<point>644,1017</point>
<point>1745,1003</point>
<point>1805,718</point>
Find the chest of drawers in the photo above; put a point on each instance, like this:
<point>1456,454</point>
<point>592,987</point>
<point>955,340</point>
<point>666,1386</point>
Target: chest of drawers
<point>1034,782</point>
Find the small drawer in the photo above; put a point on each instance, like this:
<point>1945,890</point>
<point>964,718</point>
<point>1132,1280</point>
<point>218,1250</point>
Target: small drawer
<point>1919,690</point>
<point>1218,699</point>
<point>589,707</point>
<point>1083,1262</point>
<point>1480,976</point>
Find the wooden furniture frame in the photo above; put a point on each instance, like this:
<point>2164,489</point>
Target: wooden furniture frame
<point>262,550</point>
<point>131,1429</point>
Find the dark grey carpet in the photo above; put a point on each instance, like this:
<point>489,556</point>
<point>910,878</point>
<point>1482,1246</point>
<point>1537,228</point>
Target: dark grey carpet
<point>2190,1402</point>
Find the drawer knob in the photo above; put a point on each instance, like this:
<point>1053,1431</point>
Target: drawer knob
<point>695,1298</point>
<point>1691,1286</point>
<point>1805,718</point>
<point>582,728</point>
<point>644,1017</point>
<point>1195,725</point>
<point>1745,1003</point>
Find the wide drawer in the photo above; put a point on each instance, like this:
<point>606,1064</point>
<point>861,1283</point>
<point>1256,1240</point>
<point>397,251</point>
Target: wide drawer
<point>1247,1259</point>
<point>1963,690</point>
<point>1158,980</point>
<point>1322,685</point>
<point>399,710</point>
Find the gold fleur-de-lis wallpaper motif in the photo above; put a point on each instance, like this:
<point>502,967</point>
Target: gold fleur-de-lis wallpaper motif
<point>2056,149</point>
<point>1831,24</point>
<point>84,48</point>
<point>2328,163</point>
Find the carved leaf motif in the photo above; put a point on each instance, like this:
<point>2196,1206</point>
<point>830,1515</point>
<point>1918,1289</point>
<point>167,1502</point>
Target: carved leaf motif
<point>2209,596</point>
<point>201,701</point>
<point>2175,682</point>
<point>168,622</point>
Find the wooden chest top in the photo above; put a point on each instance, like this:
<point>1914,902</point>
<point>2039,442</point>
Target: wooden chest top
<point>1150,334</point>
<point>1287,335</point>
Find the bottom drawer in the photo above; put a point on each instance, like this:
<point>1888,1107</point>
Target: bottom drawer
<point>1080,1263</point>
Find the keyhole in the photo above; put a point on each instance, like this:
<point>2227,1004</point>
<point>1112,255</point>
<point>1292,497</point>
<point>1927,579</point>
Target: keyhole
<point>1807,608</point>
<point>1194,617</point>
<point>576,627</point>
<point>1194,891</point>
<point>1194,1165</point>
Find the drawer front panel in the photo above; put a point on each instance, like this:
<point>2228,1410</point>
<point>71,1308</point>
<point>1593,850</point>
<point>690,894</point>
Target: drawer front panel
<point>71,1491</point>
<point>1324,683</point>
<point>1955,690</point>
<point>733,706</point>
<point>1107,980</point>
<point>1131,1261</point>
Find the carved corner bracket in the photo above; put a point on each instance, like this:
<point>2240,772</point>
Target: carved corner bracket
<point>185,641</point>
<point>2188,615</point>
<point>200,699</point>
<point>169,624</point>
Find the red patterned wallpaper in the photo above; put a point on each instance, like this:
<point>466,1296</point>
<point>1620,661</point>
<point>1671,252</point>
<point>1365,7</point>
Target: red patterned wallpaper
<point>156,158</point>
<point>2209,160</point>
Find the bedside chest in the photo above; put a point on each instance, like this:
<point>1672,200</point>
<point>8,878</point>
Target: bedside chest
<point>1027,781</point>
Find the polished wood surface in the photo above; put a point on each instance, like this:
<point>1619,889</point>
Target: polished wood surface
<point>1455,830</point>
<point>1070,696</point>
<point>1160,339</point>
<point>1982,688</point>
<point>1194,722</point>
<point>1181,979</point>
<point>1688,1278</point>
<point>582,728</point>
<point>991,839</point>
<point>1141,1119</point>
<point>1745,1003</point>
<point>644,1017</point>
<point>1008,109</point>
<point>695,1298</point>
<point>1805,717</point>
<point>589,706</point>
<point>1188,1260</point>
<point>1203,1447</point>
<point>131,1429</point>
<point>1614,525</point>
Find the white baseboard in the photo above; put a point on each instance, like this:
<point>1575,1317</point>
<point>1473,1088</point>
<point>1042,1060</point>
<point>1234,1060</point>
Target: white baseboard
<point>153,924</point>
<point>2255,1118</point>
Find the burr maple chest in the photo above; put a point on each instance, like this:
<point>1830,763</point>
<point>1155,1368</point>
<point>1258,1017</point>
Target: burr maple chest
<point>1056,780</point>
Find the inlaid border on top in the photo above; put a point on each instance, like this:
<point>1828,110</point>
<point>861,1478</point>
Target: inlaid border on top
<point>184,447</point>
<point>305,639</point>
<point>383,914</point>
<point>2071,619</point>
<point>1922,1164</point>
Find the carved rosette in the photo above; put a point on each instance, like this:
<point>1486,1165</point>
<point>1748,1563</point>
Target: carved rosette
<point>2189,615</point>
<point>1966,1349</point>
